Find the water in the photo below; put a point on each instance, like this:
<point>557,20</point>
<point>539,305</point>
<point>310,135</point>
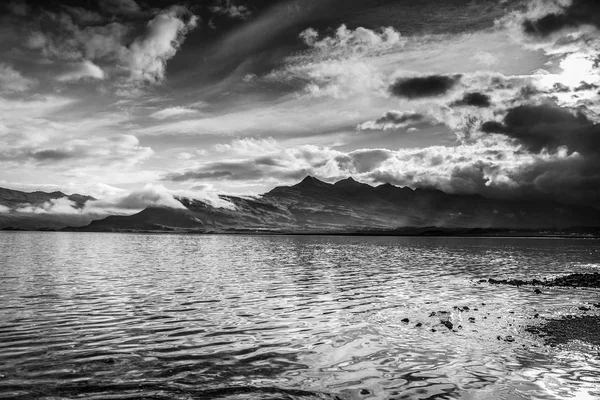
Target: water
<point>125,316</point>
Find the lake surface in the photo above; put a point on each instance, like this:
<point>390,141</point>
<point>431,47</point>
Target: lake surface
<point>127,316</point>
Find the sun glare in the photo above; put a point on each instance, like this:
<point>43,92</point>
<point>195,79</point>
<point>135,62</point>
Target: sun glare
<point>575,69</point>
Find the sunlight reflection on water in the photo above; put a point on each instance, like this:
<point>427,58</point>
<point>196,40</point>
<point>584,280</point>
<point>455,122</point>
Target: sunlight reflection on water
<point>283,317</point>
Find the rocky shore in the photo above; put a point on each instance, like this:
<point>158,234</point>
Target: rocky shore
<point>572,280</point>
<point>560,331</point>
<point>568,328</point>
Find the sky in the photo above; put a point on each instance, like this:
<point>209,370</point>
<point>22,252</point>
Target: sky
<point>138,98</point>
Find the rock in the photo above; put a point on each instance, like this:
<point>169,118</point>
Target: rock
<point>418,325</point>
<point>447,324</point>
<point>405,320</point>
<point>584,308</point>
<point>499,337</point>
<point>536,316</point>
<point>537,291</point>
<point>509,339</point>
<point>433,314</point>
<point>364,392</point>
<point>433,330</point>
<point>465,308</point>
<point>472,320</point>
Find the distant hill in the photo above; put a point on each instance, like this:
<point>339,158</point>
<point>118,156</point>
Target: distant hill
<point>14,198</point>
<point>314,206</point>
<point>27,210</point>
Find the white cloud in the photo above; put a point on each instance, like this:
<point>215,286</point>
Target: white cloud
<point>342,64</point>
<point>11,80</point>
<point>173,112</point>
<point>83,70</point>
<point>4,209</point>
<point>147,56</point>
<point>249,146</point>
<point>150,196</point>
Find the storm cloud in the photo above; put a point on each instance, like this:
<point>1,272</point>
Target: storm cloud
<point>548,127</point>
<point>425,86</point>
<point>474,99</point>
<point>577,13</point>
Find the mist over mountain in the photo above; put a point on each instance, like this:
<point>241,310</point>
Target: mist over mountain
<point>314,206</point>
<point>41,210</point>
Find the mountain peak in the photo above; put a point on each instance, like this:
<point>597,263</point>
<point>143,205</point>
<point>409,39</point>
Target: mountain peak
<point>350,183</point>
<point>311,181</point>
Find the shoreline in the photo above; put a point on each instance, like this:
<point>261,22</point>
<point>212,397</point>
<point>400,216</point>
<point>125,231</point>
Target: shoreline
<point>593,233</point>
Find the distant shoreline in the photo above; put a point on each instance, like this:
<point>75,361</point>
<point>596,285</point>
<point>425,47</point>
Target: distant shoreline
<point>577,233</point>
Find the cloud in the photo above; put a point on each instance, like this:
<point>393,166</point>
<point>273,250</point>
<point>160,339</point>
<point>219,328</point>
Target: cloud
<point>564,15</point>
<point>423,86</point>
<point>229,9</point>
<point>474,99</point>
<point>36,40</point>
<point>55,206</point>
<point>147,56</point>
<point>82,70</point>
<point>18,8</point>
<point>548,127</point>
<point>173,112</point>
<point>153,195</point>
<point>394,120</point>
<point>150,196</point>
<point>11,80</point>
<point>341,64</point>
<point>249,146</point>
<point>495,166</point>
<point>4,209</point>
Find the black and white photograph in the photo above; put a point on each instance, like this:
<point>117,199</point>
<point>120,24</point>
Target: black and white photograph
<point>299,199</point>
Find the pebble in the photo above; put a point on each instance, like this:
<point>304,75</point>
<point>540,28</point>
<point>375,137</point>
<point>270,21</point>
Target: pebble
<point>406,320</point>
<point>447,324</point>
<point>418,325</point>
<point>537,291</point>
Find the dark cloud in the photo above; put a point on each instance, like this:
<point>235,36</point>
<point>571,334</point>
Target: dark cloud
<point>250,169</point>
<point>474,99</point>
<point>549,127</point>
<point>586,86</point>
<point>579,12</point>
<point>396,118</point>
<point>53,155</point>
<point>425,86</point>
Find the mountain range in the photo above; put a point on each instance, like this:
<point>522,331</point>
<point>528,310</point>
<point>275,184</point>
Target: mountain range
<point>311,206</point>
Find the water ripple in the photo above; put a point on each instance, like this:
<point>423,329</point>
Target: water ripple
<point>113,316</point>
